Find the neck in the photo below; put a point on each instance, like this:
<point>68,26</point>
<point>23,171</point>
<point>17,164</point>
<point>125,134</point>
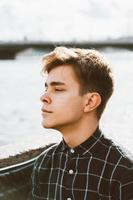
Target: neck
<point>77,133</point>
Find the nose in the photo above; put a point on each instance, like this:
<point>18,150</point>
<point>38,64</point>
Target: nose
<point>45,99</point>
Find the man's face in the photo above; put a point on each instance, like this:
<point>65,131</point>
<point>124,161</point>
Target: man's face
<point>62,104</point>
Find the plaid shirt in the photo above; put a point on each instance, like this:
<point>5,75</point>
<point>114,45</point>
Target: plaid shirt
<point>94,170</point>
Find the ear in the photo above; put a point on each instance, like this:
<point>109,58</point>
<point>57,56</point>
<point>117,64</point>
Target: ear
<point>92,101</point>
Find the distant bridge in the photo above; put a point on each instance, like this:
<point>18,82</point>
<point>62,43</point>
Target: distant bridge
<point>9,50</point>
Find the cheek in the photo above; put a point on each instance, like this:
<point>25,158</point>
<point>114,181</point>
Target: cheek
<point>69,105</point>
<point>76,108</point>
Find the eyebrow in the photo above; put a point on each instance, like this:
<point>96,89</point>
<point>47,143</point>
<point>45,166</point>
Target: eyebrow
<point>54,83</point>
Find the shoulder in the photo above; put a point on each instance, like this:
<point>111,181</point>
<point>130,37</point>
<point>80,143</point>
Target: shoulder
<point>120,161</point>
<point>46,154</point>
<point>117,154</point>
<point>123,170</point>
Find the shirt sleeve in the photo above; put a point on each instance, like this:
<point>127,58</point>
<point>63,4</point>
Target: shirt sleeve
<point>126,188</point>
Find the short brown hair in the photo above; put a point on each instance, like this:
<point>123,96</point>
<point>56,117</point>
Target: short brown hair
<point>90,67</point>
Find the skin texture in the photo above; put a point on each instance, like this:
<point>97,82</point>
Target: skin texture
<point>65,110</point>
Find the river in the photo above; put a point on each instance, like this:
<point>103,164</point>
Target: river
<point>21,85</point>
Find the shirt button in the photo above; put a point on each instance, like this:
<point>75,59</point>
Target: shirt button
<point>70,171</point>
<point>72,150</point>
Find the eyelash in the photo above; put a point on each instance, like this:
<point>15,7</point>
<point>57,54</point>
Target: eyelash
<point>56,89</point>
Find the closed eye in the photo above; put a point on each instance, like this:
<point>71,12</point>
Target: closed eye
<point>54,89</point>
<point>59,89</point>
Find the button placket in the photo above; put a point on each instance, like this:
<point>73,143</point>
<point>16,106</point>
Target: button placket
<point>70,166</point>
<point>70,171</point>
<point>72,150</point>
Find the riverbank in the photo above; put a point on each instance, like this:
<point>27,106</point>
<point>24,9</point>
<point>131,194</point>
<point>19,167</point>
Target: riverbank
<point>10,49</point>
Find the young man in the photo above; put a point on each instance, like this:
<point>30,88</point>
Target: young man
<point>85,165</point>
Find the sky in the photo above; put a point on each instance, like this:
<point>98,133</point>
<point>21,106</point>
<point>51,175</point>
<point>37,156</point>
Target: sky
<point>65,20</point>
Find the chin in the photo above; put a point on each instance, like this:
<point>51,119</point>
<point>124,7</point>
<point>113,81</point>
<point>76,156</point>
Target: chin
<point>46,125</point>
<point>53,124</point>
<point>50,126</point>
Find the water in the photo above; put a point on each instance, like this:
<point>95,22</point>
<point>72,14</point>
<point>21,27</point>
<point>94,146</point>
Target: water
<point>21,86</point>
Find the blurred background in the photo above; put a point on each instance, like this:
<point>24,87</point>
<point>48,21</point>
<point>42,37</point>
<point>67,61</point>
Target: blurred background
<point>28,30</point>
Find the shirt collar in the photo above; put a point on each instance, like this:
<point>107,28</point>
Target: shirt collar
<point>86,147</point>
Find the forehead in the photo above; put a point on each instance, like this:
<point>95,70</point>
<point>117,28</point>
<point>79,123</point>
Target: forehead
<point>62,73</point>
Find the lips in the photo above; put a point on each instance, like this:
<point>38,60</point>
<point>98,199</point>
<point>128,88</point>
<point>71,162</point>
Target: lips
<point>46,111</point>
